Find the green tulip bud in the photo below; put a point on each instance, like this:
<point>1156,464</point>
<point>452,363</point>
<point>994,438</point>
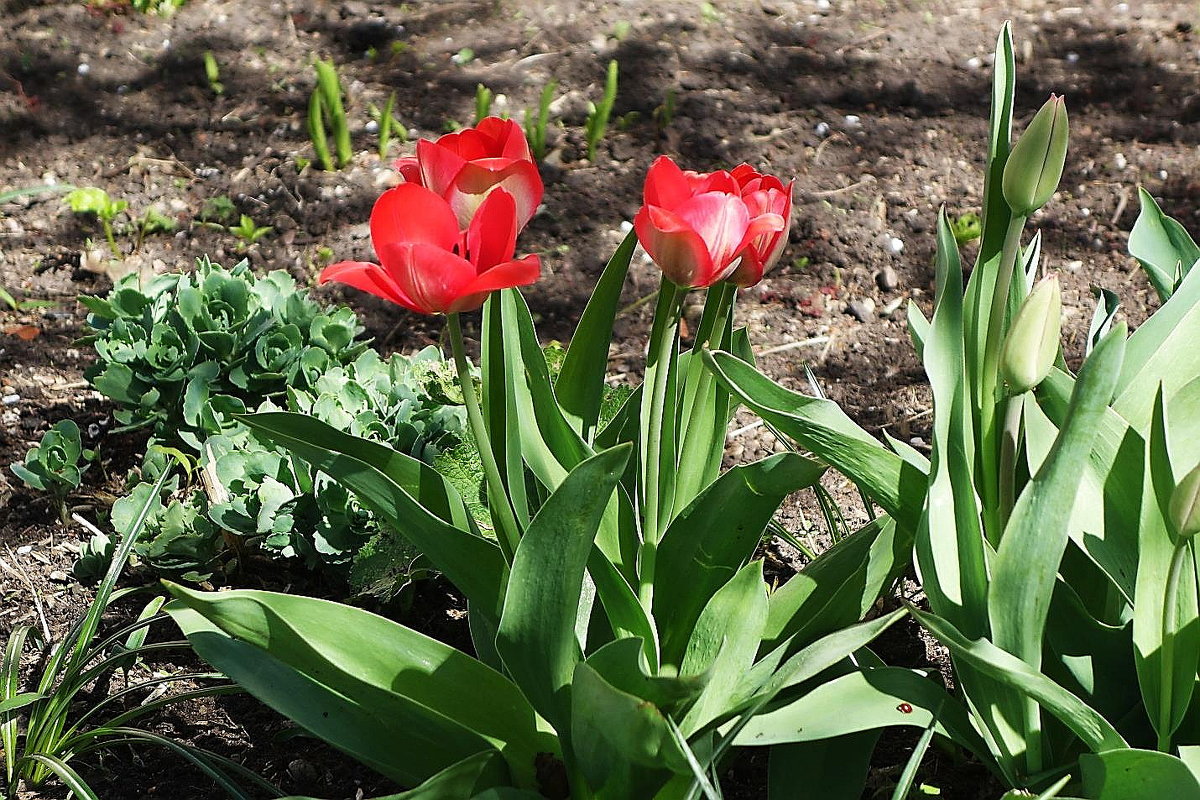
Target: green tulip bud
<point>1032,341</point>
<point>1184,506</point>
<point>1035,164</point>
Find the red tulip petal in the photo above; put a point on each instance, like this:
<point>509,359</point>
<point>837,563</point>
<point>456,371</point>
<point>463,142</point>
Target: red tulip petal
<point>492,235</point>
<point>429,275</point>
<point>519,178</point>
<point>370,278</point>
<point>666,186</point>
<point>677,249</point>
<point>749,270</point>
<point>720,181</point>
<point>439,165</point>
<point>411,213</point>
<point>722,221</point>
<point>520,272</point>
<point>409,169</point>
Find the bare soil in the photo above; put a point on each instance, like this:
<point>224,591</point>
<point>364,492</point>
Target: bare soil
<point>877,107</point>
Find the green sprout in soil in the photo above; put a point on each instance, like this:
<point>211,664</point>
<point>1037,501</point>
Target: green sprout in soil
<point>21,305</point>
<point>535,124</point>
<point>219,209</point>
<point>327,115</point>
<point>665,113</point>
<point>56,464</point>
<point>966,227</point>
<point>212,72</point>
<point>597,120</point>
<point>96,201</point>
<point>463,57</point>
<point>248,232</point>
<point>483,102</point>
<point>620,31</point>
<point>387,122</point>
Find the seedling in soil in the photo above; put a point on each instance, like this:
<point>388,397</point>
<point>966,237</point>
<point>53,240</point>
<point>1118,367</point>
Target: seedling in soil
<point>535,126</point>
<point>483,102</point>
<point>326,115</point>
<point>248,232</point>
<point>21,305</point>
<point>93,200</point>
<point>620,31</point>
<point>664,115</point>
<point>56,464</point>
<point>597,120</point>
<point>709,13</point>
<point>213,73</point>
<point>966,227</point>
<point>387,121</point>
<point>463,57</point>
<point>218,209</point>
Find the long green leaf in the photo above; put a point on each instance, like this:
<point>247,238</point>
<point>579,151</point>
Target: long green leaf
<point>715,535</point>
<point>403,703</point>
<point>1161,245</point>
<point>835,769</point>
<point>1136,775</point>
<point>536,638</point>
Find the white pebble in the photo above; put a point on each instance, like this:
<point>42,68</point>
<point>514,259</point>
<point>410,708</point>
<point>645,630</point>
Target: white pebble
<point>1072,58</point>
<point>1162,174</point>
<point>852,120</point>
<point>25,549</point>
<point>10,399</point>
<point>1085,212</point>
<point>974,63</point>
<point>822,129</point>
<point>823,5</point>
<point>1120,161</point>
<point>1122,8</point>
<point>84,68</point>
<point>166,44</point>
<point>371,127</point>
<point>895,245</point>
<point>626,226</point>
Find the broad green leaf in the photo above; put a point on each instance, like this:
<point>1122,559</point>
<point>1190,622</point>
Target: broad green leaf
<point>1161,246</point>
<point>1129,774</point>
<point>723,643</point>
<point>623,745</point>
<point>536,638</point>
<point>500,368</point>
<point>823,428</point>
<point>829,769</point>
<point>862,701</point>
<point>410,495</point>
<point>405,704</point>
<point>473,774</point>
<point>838,587</point>
<point>623,664</point>
<point>714,536</point>
<point>659,419</point>
<point>580,383</point>
<point>1093,730</point>
<point>1026,562</point>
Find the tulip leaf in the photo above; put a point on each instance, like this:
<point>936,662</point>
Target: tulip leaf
<point>823,428</point>
<point>400,702</point>
<point>402,491</point>
<point>1096,733</point>
<point>715,535</point>
<point>836,768</point>
<point>536,638</point>
<point>580,383</point>
<point>500,370</point>
<point>1161,245</point>
<point>623,664</point>
<point>1130,774</point>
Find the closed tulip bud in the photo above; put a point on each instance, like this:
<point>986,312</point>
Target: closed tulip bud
<point>1184,507</point>
<point>1035,164</point>
<point>1032,341</point>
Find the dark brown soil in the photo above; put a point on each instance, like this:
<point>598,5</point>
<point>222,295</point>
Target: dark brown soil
<point>878,108</point>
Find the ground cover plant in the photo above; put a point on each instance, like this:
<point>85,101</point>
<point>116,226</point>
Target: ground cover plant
<point>623,632</point>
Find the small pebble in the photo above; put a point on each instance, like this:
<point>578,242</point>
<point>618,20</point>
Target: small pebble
<point>887,279</point>
<point>894,244</point>
<point>852,120</point>
<point>1072,58</point>
<point>1120,161</point>
<point>59,576</point>
<point>974,62</point>
<point>84,68</point>
<point>25,549</point>
<point>1162,174</point>
<point>862,310</point>
<point>823,5</point>
<point>626,226</point>
<point>822,129</point>
<point>371,127</point>
<point>891,307</point>
<point>10,399</point>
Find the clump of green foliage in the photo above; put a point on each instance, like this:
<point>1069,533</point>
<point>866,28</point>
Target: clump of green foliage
<point>56,464</point>
<point>326,115</point>
<point>535,124</point>
<point>598,113</point>
<point>186,353</point>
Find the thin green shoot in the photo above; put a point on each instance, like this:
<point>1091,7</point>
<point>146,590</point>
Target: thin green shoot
<point>96,201</point>
<point>386,122</point>
<point>14,304</point>
<point>248,232</point>
<point>483,102</point>
<point>326,110</point>
<point>665,113</point>
<point>535,125</point>
<point>598,114</point>
<point>212,72</point>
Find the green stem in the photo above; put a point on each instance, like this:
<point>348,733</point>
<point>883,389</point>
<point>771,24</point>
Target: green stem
<point>1166,653</point>
<point>989,446</point>
<point>1008,457</point>
<point>507,530</point>
<point>663,343</point>
<point>112,240</point>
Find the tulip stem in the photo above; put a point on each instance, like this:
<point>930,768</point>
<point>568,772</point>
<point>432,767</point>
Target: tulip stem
<point>1008,457</point>
<point>507,529</point>
<point>1166,653</point>
<point>988,400</point>
<point>658,482</point>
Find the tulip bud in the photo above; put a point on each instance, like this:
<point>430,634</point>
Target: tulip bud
<point>1032,341</point>
<point>1184,506</point>
<point>1035,164</point>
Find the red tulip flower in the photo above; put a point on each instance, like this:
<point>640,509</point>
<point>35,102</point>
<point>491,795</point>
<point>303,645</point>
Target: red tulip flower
<point>698,227</point>
<point>428,264</point>
<point>763,194</point>
<point>464,167</point>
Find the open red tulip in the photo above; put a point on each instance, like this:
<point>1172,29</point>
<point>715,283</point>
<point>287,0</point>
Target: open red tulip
<point>464,167</point>
<point>698,227</point>
<point>427,264</point>
<point>763,194</point>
